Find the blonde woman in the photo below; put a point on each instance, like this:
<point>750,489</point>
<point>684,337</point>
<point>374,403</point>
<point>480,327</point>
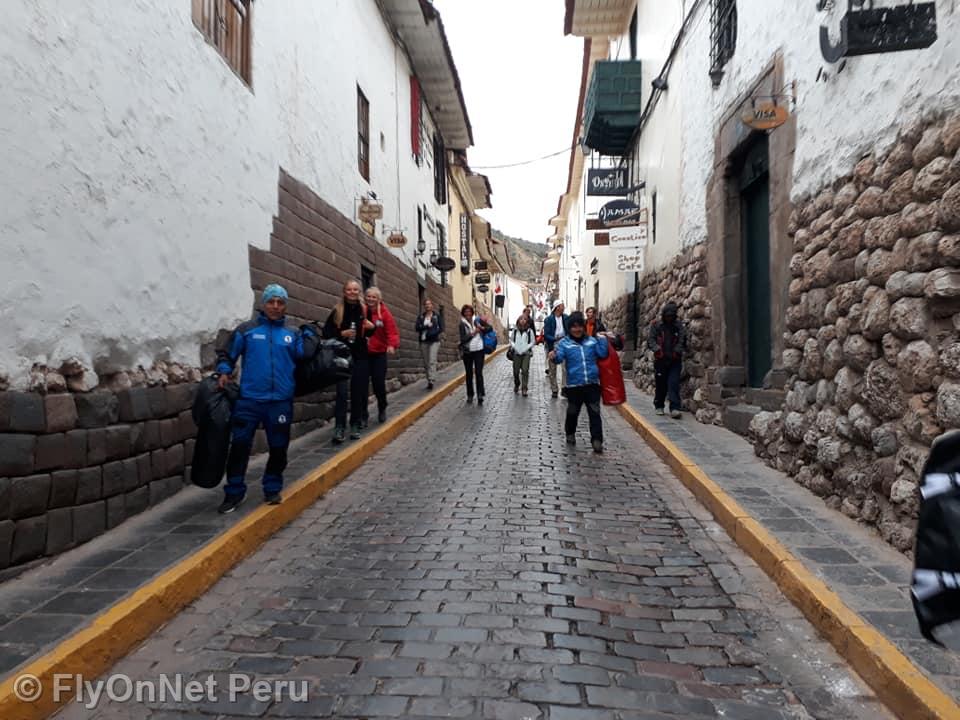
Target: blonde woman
<point>429,329</point>
<point>347,323</point>
<point>384,341</point>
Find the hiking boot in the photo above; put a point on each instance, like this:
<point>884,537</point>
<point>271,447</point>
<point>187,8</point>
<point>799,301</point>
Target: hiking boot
<point>355,432</point>
<point>338,435</point>
<point>597,446</point>
<point>229,504</point>
<point>661,411</point>
<point>675,414</point>
<point>272,498</point>
<point>571,439</point>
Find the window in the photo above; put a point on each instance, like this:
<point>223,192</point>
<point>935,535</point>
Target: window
<point>633,35</point>
<point>723,36</point>
<point>653,218</point>
<point>363,134</point>
<point>226,25</point>
<point>439,171</point>
<point>415,115</point>
<point>366,277</point>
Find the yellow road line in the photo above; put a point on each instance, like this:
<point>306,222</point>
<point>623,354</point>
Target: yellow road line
<point>903,687</point>
<point>121,627</point>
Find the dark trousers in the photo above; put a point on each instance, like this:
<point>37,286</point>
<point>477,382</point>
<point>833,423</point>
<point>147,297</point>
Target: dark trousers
<point>473,365</point>
<point>378,375</point>
<point>668,383</point>
<point>577,397</point>
<point>248,415</point>
<point>356,390</point>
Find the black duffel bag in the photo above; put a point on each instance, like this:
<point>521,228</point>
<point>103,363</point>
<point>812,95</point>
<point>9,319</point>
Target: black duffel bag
<point>212,411</point>
<point>325,363</point>
<point>935,589</point>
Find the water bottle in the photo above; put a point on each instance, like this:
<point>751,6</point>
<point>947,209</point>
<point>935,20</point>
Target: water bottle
<point>353,326</point>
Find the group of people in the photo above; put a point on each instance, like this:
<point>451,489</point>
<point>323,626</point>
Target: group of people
<point>271,349</point>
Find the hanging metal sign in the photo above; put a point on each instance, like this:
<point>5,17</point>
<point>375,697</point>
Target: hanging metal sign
<point>630,260</point>
<point>368,211</point>
<point>635,236</point>
<point>397,240</point>
<point>482,278</point>
<point>766,116</point>
<point>607,181</point>
<point>483,288</point>
<point>618,213</point>
<point>874,30</point>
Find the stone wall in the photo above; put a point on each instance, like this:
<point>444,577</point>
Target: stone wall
<point>873,346</point>
<point>80,453</point>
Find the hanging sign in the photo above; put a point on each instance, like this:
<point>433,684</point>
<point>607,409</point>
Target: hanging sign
<point>618,213</point>
<point>483,288</point>
<point>766,116</point>
<point>635,236</point>
<point>368,211</point>
<point>875,30</point>
<point>482,278</point>
<point>396,240</point>
<point>444,264</point>
<point>630,260</point>
<point>607,181</point>
<point>479,264</point>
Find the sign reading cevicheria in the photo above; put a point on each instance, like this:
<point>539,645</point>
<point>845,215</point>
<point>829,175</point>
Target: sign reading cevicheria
<point>766,116</point>
<point>618,213</point>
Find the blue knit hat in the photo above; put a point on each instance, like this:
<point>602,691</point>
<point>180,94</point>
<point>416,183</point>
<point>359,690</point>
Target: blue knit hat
<point>274,291</point>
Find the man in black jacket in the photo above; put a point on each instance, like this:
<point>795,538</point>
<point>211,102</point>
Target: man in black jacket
<point>668,342</point>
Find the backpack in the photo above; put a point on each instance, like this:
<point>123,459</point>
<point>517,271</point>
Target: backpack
<point>489,341</point>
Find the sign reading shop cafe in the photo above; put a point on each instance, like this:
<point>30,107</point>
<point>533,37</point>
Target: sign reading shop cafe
<point>607,181</point>
<point>630,260</point>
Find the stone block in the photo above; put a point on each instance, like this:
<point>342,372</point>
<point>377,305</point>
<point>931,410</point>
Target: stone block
<point>138,438</point>
<point>61,451</point>
<point>157,399</point>
<point>96,446</point>
<point>29,539</point>
<point>97,409</point>
<point>175,483</point>
<point>4,498</point>
<point>63,488</point>
<point>61,413</point>
<point>131,475</point>
<point>158,464</point>
<point>138,500</point>
<point>6,542</point>
<point>89,521</point>
<point>159,491</point>
<point>59,530</point>
<point>116,510</point>
<point>23,412</point>
<point>134,405</point>
<point>169,432</point>
<point>732,376</point>
<point>175,460</point>
<point>151,435</point>
<point>89,485</point>
<point>17,453</point>
<point>119,442</point>
<point>186,428</point>
<point>113,479</point>
<point>180,397</point>
<point>29,496</point>
<point>144,471</point>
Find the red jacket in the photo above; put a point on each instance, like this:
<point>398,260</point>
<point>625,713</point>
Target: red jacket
<point>386,334</point>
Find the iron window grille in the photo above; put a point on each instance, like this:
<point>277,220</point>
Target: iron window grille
<point>363,134</point>
<point>723,36</point>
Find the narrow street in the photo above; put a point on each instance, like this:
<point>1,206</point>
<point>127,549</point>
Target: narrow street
<point>479,567</point>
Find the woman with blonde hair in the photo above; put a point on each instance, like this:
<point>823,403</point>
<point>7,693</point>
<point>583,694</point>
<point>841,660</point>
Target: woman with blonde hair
<point>429,329</point>
<point>384,341</point>
<point>348,324</point>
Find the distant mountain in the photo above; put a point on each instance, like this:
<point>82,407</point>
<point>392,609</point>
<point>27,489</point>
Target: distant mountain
<point>526,256</point>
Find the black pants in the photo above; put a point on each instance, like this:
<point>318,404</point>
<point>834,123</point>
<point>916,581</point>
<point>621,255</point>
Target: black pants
<point>577,397</point>
<point>473,365</point>
<point>378,375</point>
<point>668,383</point>
<point>356,389</point>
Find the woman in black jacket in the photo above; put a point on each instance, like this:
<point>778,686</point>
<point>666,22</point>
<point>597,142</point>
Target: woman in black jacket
<point>348,323</point>
<point>429,329</point>
<point>471,350</point>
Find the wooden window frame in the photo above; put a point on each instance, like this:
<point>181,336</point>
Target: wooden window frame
<point>439,170</point>
<point>227,26</point>
<point>363,134</point>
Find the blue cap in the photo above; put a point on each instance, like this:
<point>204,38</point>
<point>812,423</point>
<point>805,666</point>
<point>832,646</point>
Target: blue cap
<point>274,291</point>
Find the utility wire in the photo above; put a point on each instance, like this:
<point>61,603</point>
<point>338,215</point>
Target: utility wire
<point>517,164</point>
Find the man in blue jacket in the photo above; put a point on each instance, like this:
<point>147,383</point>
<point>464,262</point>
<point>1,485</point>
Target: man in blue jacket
<point>580,352</point>
<point>555,328</point>
<point>270,350</point>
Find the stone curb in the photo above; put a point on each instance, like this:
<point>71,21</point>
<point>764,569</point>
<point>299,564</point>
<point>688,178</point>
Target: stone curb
<point>115,632</point>
<point>902,687</point>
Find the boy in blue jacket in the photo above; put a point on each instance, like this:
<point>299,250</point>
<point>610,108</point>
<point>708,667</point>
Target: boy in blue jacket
<point>270,350</point>
<point>580,352</point>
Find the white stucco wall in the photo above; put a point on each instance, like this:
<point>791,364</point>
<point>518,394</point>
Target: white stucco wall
<point>851,114</point>
<point>138,167</point>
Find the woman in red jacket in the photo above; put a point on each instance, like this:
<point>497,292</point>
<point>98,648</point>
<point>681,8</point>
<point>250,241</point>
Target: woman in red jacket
<point>383,342</point>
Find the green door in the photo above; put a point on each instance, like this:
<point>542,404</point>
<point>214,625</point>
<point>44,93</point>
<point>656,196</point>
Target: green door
<point>755,222</point>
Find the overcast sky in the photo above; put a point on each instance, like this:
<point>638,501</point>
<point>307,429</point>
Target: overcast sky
<point>521,82</point>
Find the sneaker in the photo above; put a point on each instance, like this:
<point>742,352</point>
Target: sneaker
<point>555,393</point>
<point>675,414</point>
<point>229,504</point>
<point>469,399</point>
<point>338,435</point>
<point>661,411</point>
<point>525,393</point>
<point>571,439</point>
<point>382,416</point>
<point>429,386</point>
<point>597,446</point>
<point>355,432</point>
<point>365,423</point>
<point>272,498</point>
<point>563,392</point>
<point>516,389</point>
<point>480,400</point>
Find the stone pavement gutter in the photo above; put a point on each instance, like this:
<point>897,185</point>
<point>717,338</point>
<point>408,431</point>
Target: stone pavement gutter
<point>119,628</point>
<point>899,683</point>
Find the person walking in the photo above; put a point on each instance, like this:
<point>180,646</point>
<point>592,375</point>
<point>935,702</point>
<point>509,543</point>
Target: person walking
<point>555,328</point>
<point>668,342</point>
<point>348,323</point>
<point>429,328</point>
<point>528,311</point>
<point>383,342</point>
<point>270,350</point>
<point>471,350</point>
<point>522,342</point>
<point>594,326</point>
<point>580,352</point>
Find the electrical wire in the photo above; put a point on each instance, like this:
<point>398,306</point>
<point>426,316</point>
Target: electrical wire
<point>517,164</point>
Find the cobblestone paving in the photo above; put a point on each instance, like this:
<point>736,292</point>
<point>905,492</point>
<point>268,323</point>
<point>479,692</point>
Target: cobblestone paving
<point>480,568</point>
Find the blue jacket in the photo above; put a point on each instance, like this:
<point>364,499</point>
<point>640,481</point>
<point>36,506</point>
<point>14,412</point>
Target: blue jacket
<point>270,351</point>
<point>581,358</point>
<point>550,329</point>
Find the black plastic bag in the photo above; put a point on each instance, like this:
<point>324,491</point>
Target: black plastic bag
<point>325,363</point>
<point>212,411</point>
<point>935,589</point>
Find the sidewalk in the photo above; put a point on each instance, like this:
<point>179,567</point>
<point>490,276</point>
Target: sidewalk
<point>45,605</point>
<point>871,577</point>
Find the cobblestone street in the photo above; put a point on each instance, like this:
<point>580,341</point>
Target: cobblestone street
<point>481,568</point>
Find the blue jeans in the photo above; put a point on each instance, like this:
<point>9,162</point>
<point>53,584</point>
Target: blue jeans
<point>248,415</point>
<point>668,383</point>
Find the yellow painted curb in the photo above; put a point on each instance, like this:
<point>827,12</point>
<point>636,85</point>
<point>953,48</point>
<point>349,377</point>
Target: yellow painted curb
<point>899,684</point>
<point>121,627</point>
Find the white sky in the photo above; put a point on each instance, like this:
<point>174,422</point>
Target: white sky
<point>521,81</point>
